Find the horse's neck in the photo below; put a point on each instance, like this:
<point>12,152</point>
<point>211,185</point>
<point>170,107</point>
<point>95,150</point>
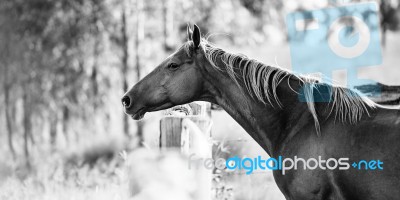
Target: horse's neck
<point>265,123</point>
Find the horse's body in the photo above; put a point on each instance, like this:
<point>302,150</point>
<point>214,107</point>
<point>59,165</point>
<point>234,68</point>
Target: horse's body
<point>374,137</point>
<point>265,102</point>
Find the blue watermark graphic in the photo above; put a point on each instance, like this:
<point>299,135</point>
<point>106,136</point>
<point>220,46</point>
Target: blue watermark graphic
<point>337,38</point>
<point>251,165</point>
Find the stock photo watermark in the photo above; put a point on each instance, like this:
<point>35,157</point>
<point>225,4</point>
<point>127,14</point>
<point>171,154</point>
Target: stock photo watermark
<point>338,38</point>
<point>250,165</point>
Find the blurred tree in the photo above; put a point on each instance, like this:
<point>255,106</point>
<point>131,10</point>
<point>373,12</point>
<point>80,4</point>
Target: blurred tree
<point>390,18</point>
<point>131,12</point>
<point>6,57</point>
<point>168,24</point>
<point>139,37</point>
<point>123,43</point>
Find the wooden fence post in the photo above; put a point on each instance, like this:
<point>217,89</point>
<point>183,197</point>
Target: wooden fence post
<point>191,132</point>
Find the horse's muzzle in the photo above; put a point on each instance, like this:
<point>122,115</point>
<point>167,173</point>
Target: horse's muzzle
<point>135,113</point>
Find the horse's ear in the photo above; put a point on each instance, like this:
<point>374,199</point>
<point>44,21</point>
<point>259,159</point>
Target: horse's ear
<point>189,32</point>
<point>196,36</point>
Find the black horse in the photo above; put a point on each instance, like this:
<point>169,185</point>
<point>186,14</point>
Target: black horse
<point>265,101</point>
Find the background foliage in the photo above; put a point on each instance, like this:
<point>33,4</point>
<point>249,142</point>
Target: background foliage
<point>66,63</point>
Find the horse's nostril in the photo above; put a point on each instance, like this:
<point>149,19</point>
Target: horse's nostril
<point>126,101</point>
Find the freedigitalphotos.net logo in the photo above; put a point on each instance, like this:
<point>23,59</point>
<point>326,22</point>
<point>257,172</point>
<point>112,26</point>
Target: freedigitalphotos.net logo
<point>250,165</point>
<point>335,38</point>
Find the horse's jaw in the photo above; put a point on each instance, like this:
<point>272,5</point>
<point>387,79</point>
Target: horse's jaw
<point>139,114</point>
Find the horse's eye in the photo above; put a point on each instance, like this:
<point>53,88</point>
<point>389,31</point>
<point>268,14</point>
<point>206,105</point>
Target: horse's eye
<point>173,66</point>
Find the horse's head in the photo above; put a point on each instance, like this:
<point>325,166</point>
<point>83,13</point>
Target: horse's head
<point>177,80</point>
